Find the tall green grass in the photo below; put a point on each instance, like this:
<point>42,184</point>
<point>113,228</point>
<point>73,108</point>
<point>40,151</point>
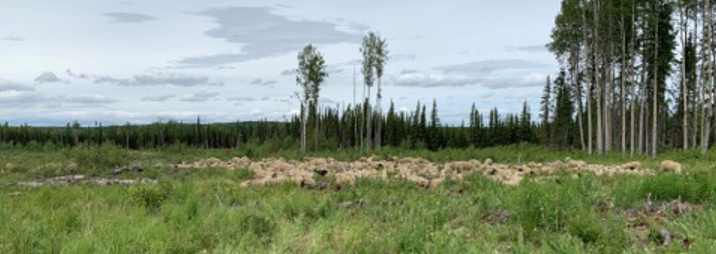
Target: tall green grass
<point>195,211</point>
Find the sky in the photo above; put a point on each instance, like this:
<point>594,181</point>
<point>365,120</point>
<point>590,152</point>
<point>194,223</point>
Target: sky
<point>156,60</point>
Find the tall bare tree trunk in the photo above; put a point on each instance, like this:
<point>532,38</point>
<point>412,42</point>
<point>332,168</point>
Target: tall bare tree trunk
<point>589,81</point>
<point>379,107</point>
<point>363,120</point>
<point>632,74</point>
<point>355,109</point>
<point>318,121</point>
<point>642,107</point>
<point>606,106</point>
<point>608,103</point>
<point>600,130</point>
<point>578,85</point>
<point>608,89</point>
<point>304,121</point>
<point>632,101</point>
<point>655,134</point>
<point>708,93</point>
<point>684,93</point>
<point>699,99</point>
<point>369,124</point>
<point>712,68</point>
<point>623,90</point>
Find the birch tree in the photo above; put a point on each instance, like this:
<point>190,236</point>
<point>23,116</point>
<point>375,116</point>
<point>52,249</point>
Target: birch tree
<point>310,75</point>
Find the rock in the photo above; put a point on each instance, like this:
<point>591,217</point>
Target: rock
<point>664,237</point>
<point>117,171</point>
<point>138,169</point>
<point>634,165</point>
<point>671,166</point>
<point>33,184</point>
<point>350,204</point>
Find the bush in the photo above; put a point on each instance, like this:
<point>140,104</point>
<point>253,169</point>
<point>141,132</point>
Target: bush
<point>698,187</point>
<point>151,197</point>
<point>104,157</point>
<point>550,207</point>
<point>566,206</point>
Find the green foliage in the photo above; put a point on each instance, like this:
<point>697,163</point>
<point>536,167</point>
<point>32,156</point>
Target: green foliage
<point>566,206</point>
<point>191,211</point>
<point>151,197</point>
<point>698,187</point>
<point>96,159</point>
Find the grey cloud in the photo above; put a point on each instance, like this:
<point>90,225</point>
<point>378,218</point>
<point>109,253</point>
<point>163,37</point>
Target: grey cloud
<point>290,72</point>
<point>533,48</point>
<point>77,75</point>
<point>48,77</point>
<point>13,38</point>
<point>491,74</point>
<point>492,66</point>
<point>199,97</point>
<point>327,101</point>
<point>86,99</point>
<point>158,98</point>
<point>25,99</point>
<point>241,99</point>
<point>128,17</point>
<point>158,79</point>
<point>283,100</point>
<point>20,99</point>
<point>404,57</point>
<point>532,80</point>
<point>7,85</point>
<point>486,96</point>
<point>428,80</point>
<point>264,34</point>
<point>261,82</point>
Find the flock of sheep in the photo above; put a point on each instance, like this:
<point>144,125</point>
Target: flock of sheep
<point>416,170</point>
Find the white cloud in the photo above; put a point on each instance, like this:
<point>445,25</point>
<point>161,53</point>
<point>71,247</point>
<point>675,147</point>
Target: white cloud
<point>48,77</point>
<point>7,85</point>
<point>427,80</point>
<point>128,17</point>
<point>158,98</point>
<point>262,33</point>
<point>159,79</point>
<point>198,97</point>
<point>12,38</point>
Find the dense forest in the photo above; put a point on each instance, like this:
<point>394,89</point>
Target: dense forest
<point>637,76</point>
<point>330,129</point>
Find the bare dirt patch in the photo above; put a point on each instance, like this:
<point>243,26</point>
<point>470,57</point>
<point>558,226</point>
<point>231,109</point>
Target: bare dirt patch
<point>82,180</point>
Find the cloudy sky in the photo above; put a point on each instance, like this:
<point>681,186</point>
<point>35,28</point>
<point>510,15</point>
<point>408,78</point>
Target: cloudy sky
<point>145,61</point>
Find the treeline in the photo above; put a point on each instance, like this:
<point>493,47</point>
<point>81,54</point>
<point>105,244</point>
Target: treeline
<point>328,128</point>
<point>631,91</point>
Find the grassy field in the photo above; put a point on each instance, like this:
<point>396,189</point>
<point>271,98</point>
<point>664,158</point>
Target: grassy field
<point>205,210</point>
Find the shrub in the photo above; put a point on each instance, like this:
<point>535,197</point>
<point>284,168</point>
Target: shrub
<point>151,197</point>
<point>99,158</point>
<point>566,206</point>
